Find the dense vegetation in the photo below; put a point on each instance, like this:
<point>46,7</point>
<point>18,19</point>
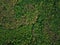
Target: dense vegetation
<point>29,22</point>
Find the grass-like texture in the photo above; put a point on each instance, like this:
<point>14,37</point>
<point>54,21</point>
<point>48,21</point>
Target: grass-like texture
<point>29,22</point>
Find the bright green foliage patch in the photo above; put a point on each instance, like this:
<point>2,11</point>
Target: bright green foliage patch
<point>29,22</point>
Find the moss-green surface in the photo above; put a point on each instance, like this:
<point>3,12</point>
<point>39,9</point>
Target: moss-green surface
<point>29,22</point>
